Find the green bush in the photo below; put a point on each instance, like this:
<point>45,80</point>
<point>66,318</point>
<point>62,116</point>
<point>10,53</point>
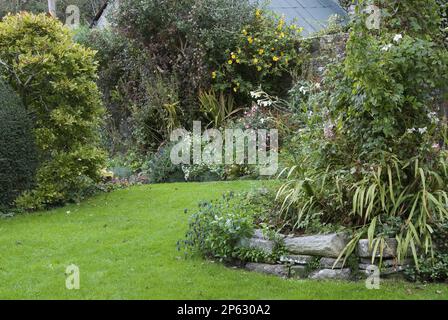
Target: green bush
<point>18,153</point>
<point>160,61</point>
<point>185,39</point>
<point>155,61</point>
<point>267,51</point>
<point>143,104</point>
<point>433,268</point>
<point>161,169</point>
<point>56,79</point>
<point>217,227</point>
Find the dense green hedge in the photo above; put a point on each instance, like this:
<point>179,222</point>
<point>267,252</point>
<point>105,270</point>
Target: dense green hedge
<point>18,155</point>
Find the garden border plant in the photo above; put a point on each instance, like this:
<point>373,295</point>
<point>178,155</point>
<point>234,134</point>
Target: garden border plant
<point>373,143</point>
<point>55,78</point>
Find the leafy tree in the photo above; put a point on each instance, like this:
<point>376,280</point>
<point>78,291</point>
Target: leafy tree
<point>56,80</point>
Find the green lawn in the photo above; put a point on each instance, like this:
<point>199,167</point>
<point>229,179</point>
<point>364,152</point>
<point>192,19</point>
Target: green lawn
<point>124,244</point>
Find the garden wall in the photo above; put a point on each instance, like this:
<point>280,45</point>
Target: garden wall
<point>324,51</point>
<point>315,257</point>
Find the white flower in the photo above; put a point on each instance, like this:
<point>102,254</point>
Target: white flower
<point>411,130</point>
<point>255,94</point>
<point>386,47</point>
<point>265,103</point>
<point>303,90</point>
<point>423,130</point>
<point>317,85</point>
<point>398,37</point>
<point>433,117</point>
<point>436,147</point>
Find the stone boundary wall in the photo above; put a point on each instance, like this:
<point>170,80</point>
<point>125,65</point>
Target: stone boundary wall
<point>315,257</point>
<point>325,50</point>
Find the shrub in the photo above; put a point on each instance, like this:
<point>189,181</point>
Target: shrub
<point>430,269</point>
<point>184,38</point>
<point>161,169</point>
<point>433,268</point>
<point>142,104</point>
<point>158,61</point>
<point>217,227</point>
<point>267,51</point>
<point>56,79</point>
<point>18,154</point>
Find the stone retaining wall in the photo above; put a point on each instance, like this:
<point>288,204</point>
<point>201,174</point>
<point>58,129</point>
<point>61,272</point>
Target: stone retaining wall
<point>315,257</point>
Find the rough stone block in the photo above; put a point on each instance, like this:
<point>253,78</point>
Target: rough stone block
<point>390,249</point>
<point>272,269</point>
<point>330,245</point>
<point>261,244</point>
<point>300,272</point>
<point>328,263</point>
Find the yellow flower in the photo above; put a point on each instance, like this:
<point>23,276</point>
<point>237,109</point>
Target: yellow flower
<point>258,13</point>
<point>261,51</point>
<point>259,68</point>
<point>235,89</point>
<point>233,56</point>
<point>282,35</point>
<point>238,61</point>
<point>250,40</point>
<point>255,61</point>
<point>245,32</point>
<point>214,74</point>
<point>230,62</point>
<point>275,58</point>
<point>281,24</point>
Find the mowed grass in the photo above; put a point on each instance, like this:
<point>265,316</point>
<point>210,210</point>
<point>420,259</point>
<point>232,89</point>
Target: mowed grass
<point>125,246</point>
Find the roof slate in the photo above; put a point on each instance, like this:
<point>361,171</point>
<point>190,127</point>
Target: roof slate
<point>312,15</point>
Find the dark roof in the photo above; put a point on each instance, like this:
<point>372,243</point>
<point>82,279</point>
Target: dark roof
<point>312,15</point>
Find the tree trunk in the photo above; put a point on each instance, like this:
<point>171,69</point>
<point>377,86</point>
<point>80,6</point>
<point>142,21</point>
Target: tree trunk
<point>52,7</point>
